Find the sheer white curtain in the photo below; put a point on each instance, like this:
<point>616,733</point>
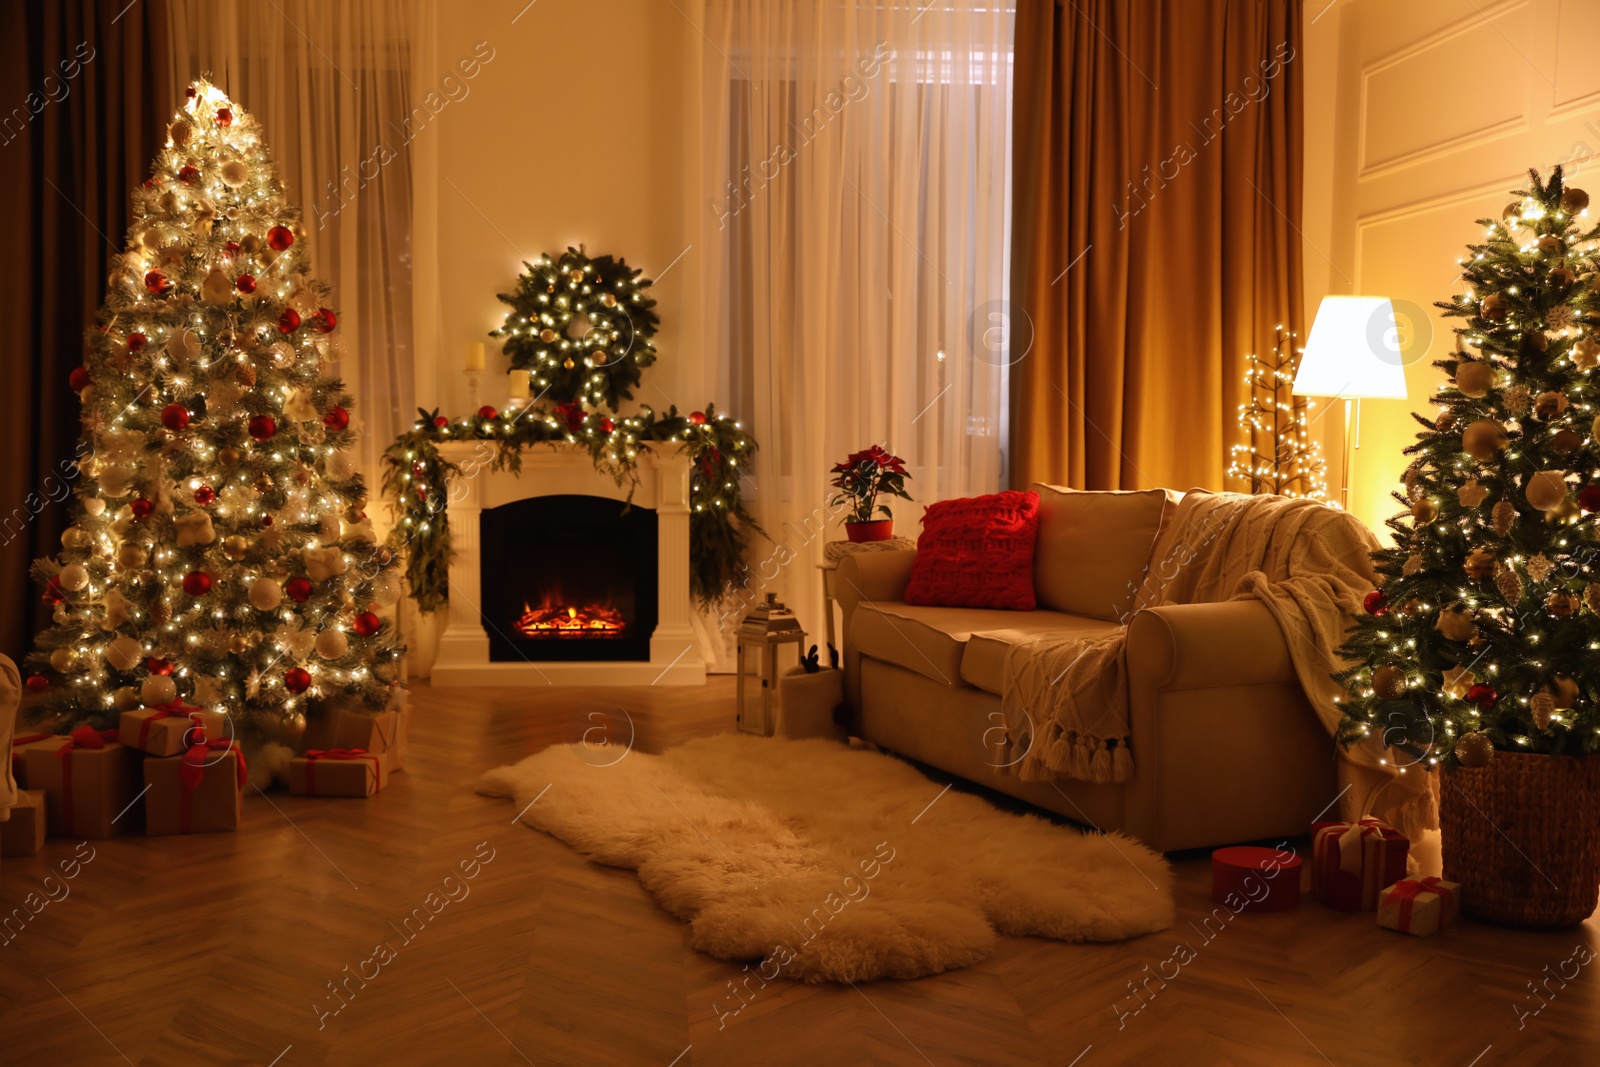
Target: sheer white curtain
<point>333,85</point>
<point>853,200</point>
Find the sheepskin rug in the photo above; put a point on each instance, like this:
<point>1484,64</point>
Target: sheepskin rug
<point>834,864</point>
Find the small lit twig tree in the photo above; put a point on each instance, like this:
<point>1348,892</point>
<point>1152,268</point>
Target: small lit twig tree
<point>1277,455</point>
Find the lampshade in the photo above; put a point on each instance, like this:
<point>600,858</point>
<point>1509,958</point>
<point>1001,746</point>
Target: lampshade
<point>1354,351</point>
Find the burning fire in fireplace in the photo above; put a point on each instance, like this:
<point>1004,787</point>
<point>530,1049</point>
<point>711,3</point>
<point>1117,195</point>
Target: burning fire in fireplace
<point>566,620</point>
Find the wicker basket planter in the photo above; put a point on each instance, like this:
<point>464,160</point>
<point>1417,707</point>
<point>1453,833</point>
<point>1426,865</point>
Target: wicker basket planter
<point>1522,836</point>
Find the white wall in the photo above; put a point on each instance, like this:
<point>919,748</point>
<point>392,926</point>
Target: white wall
<point>1437,111</point>
<point>569,135</point>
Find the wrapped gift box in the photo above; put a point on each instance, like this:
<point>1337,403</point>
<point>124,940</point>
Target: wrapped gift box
<point>338,772</point>
<point>1351,862</point>
<point>1257,879</point>
<point>87,779</point>
<point>384,731</point>
<point>23,834</point>
<point>1419,905</point>
<point>20,747</point>
<point>158,731</point>
<point>199,792</point>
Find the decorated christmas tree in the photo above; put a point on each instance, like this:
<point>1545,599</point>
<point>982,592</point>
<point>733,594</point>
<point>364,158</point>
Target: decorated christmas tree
<point>1277,454</point>
<point>1483,634</point>
<point>219,554</point>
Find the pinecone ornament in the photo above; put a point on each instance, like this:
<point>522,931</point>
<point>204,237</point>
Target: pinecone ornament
<point>1505,513</point>
<point>1510,583</point>
<point>1543,707</point>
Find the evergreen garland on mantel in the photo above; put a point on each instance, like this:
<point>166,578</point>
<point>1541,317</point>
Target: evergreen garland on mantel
<point>416,478</point>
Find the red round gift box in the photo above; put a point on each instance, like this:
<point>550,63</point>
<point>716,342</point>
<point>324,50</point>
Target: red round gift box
<point>1266,879</point>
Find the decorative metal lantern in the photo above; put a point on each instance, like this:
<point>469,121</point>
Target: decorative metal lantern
<point>768,626</point>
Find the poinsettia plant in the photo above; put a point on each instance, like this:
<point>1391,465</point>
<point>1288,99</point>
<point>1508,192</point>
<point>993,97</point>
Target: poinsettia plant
<point>865,476</point>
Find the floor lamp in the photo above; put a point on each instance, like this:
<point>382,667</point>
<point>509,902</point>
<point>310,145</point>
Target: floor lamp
<point>1353,353</point>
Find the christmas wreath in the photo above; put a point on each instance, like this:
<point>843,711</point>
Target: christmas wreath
<point>581,327</point>
<point>415,477</point>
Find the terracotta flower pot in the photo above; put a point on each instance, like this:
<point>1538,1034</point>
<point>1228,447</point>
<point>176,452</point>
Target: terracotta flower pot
<point>876,530</point>
<point>1522,836</point>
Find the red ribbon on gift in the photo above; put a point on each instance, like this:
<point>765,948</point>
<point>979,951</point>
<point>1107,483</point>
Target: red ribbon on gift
<point>1350,842</point>
<point>82,737</point>
<point>192,771</point>
<point>173,710</point>
<point>314,754</point>
<point>1408,890</point>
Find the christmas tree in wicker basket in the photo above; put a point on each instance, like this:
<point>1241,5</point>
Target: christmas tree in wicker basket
<point>219,555</point>
<point>1479,651</point>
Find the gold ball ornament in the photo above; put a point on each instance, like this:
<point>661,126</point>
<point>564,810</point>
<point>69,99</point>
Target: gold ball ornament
<point>1550,405</point>
<point>235,547</point>
<point>1536,341</point>
<point>1561,276</point>
<point>64,660</point>
<point>547,335</point>
<point>124,653</point>
<point>1482,439</point>
<point>1389,683</point>
<point>1424,511</point>
<point>229,456</point>
<point>1456,625</point>
<point>1445,421</point>
<point>568,363</point>
<point>1561,604</point>
<point>332,644</point>
<point>158,690</point>
<point>265,594</point>
<point>1512,210</point>
<point>126,698</point>
<point>1408,608</point>
<point>1574,201</point>
<point>1550,245</point>
<point>1493,307</point>
<point>131,555</point>
<point>1474,750</point>
<point>1481,564</point>
<point>237,644</point>
<point>1566,442</point>
<point>292,729</point>
<point>608,300</point>
<point>1563,691</point>
<point>1474,379</point>
<point>1546,489</point>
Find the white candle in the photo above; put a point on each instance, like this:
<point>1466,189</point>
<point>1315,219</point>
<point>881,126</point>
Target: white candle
<point>475,356</point>
<point>519,384</point>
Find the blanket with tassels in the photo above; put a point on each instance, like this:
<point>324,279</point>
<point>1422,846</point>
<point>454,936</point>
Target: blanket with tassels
<point>1065,698</point>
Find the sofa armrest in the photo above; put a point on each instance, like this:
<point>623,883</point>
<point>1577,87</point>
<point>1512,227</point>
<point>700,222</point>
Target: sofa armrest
<point>871,577</point>
<point>1201,646</point>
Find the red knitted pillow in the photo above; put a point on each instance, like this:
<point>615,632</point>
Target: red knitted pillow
<point>977,553</point>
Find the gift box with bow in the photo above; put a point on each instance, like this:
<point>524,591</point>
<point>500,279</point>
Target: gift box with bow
<point>160,731</point>
<point>199,792</point>
<point>19,752</point>
<point>1351,862</point>
<point>384,731</point>
<point>338,772</point>
<point>23,834</point>
<point>87,778</point>
<point>1419,905</point>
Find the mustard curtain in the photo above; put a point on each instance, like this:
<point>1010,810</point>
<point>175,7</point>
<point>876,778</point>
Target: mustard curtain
<point>1156,231</point>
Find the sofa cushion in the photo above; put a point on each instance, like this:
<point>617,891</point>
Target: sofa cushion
<point>984,661</point>
<point>1093,548</point>
<point>977,552</point>
<point>932,640</point>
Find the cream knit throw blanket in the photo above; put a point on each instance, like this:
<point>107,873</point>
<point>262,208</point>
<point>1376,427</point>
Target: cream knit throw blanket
<point>1066,699</point>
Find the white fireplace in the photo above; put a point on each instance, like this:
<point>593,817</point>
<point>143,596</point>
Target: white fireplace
<point>564,474</point>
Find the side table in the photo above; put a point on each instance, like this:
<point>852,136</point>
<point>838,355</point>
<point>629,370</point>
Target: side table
<point>833,552</point>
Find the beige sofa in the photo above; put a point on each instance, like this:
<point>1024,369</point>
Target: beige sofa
<point>1225,746</point>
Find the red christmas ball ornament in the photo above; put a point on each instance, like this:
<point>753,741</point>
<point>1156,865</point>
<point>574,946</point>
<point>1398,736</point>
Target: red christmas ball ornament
<point>324,320</point>
<point>440,421</point>
<point>52,592</point>
<point>175,417</point>
<point>606,425</point>
<point>224,116</point>
<point>289,321</point>
<point>1589,498</point>
<point>697,417</point>
<point>1482,695</point>
<point>205,495</point>
<point>188,94</point>
<point>197,583</point>
<point>79,379</point>
<point>156,282</point>
<point>366,624</point>
<point>188,175</point>
<point>137,341</point>
<point>280,238</point>
<point>142,508</point>
<point>487,412</point>
<point>38,682</point>
<point>1375,602</point>
<point>262,427</point>
<point>232,248</point>
<point>246,283</point>
<point>336,420</point>
<point>156,665</point>
<point>299,589</point>
<point>266,520</point>
<point>297,679</point>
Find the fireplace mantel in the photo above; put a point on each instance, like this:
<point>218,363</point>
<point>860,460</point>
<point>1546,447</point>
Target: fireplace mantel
<point>463,659</point>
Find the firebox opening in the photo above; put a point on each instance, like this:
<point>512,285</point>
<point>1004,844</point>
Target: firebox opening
<point>569,578</point>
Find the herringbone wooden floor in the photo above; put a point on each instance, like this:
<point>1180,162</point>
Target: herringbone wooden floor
<point>226,949</point>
